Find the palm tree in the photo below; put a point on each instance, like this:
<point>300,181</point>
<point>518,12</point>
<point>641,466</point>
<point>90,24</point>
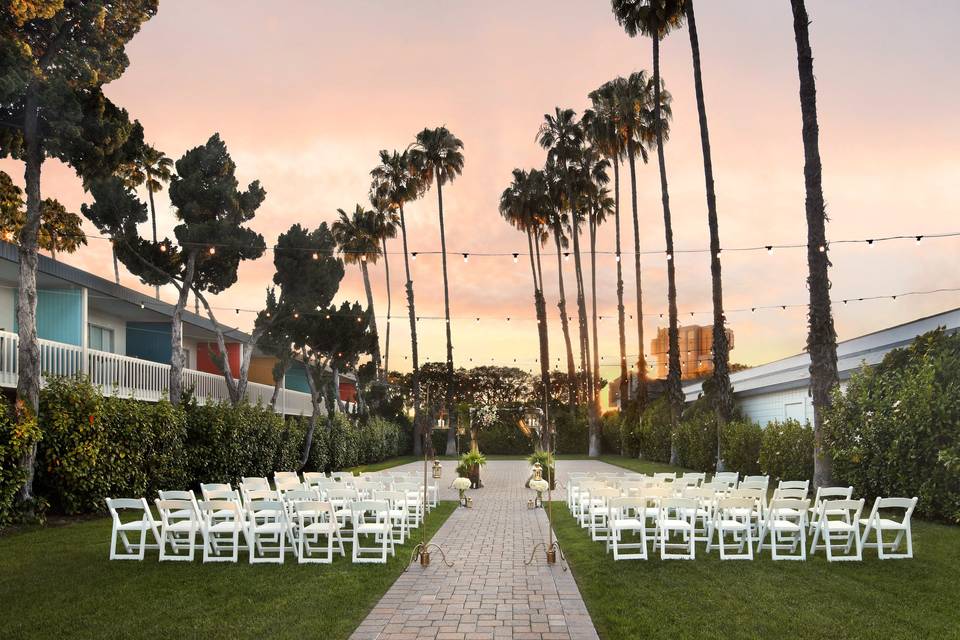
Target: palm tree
<point>522,205</point>
<point>562,136</point>
<point>721,347</point>
<point>656,18</point>
<point>385,224</point>
<point>151,168</point>
<point>395,184</point>
<point>357,238</point>
<point>601,128</point>
<point>436,155</point>
<point>822,336</point>
<point>600,206</point>
<point>555,221</point>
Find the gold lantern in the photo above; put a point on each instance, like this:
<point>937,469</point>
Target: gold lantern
<point>437,469</point>
<point>537,471</point>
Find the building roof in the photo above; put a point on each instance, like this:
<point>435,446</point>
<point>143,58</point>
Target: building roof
<point>793,372</point>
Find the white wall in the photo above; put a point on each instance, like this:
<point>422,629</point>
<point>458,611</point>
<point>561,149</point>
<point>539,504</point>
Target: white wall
<point>119,329</point>
<point>7,307</point>
<point>779,405</point>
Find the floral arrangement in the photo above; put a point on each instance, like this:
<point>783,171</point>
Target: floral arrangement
<point>485,415</point>
<point>461,484</point>
<point>539,485</point>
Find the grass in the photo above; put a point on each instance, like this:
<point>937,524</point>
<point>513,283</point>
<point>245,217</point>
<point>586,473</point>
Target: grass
<point>764,599</point>
<point>56,581</point>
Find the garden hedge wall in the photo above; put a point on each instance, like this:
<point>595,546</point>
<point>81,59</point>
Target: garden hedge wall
<point>91,446</point>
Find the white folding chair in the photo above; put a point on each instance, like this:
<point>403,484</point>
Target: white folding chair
<point>704,512</point>
<point>121,528</point>
<point>665,477</point>
<point>179,526</point>
<point>691,475</point>
<point>222,525</point>
<point>214,486</point>
<point>875,522</point>
<point>786,524</point>
<point>680,485</point>
<point>752,481</point>
<point>371,518</point>
<point>597,511</point>
<point>286,476</point>
<point>729,478</point>
<point>582,500</point>
<point>266,531</point>
<point>342,501</point>
<point>314,479</point>
<point>344,477</point>
<point>846,526</point>
<point>397,502</point>
<point>315,520</point>
<point>677,515</point>
<point>414,493</point>
<point>255,483</point>
<point>627,515</point>
<point>734,516</point>
<point>794,484</point>
<point>826,493</point>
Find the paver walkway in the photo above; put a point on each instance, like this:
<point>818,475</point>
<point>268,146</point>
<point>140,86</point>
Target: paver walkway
<point>489,592</point>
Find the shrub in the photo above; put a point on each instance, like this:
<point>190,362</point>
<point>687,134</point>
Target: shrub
<point>504,437</point>
<point>896,429</point>
<point>697,437</point>
<point>573,432</point>
<point>653,432</point>
<point>786,451</point>
<point>740,443</point>
<point>610,437</point>
<point>16,438</point>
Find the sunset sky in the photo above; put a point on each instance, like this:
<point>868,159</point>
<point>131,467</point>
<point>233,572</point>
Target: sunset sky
<point>306,93</point>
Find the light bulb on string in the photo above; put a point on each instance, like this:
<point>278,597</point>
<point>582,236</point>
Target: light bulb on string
<point>212,250</point>
<point>316,256</point>
<point>466,257</point>
<point>870,243</point>
<point>566,256</point>
<point>618,257</point>
<point>669,256</point>
<point>769,248</point>
<point>516,257</point>
<point>919,238</point>
<point>413,255</point>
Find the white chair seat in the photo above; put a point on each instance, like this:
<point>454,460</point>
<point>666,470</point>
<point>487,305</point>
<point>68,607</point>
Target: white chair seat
<point>270,527</point>
<point>885,523</point>
<point>626,523</point>
<point>372,527</point>
<point>182,525</point>
<point>223,527</point>
<point>678,525</point>
<point>319,527</point>
<point>733,525</point>
<point>840,527</point>
<point>782,525</point>
<point>135,525</point>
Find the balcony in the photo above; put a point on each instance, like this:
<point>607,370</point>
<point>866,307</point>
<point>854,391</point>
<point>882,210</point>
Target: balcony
<point>127,377</point>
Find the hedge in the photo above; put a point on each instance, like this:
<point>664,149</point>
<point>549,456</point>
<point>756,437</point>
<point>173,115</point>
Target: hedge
<point>896,429</point>
<point>786,451</point>
<point>93,446</point>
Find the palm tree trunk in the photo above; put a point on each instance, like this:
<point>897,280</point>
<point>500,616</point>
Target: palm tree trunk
<point>585,382</point>
<point>595,387</point>
<point>386,345</point>
<point>641,360</point>
<point>448,391</point>
<point>542,338</point>
<point>721,347</point>
<point>415,377</point>
<point>674,391</point>
<point>373,318</point>
<point>28,351</point>
<point>153,220</point>
<point>621,319</point>
<point>564,323</point>
<point>822,337</point>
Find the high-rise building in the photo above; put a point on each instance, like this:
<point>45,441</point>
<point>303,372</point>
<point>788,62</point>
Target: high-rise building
<point>696,351</point>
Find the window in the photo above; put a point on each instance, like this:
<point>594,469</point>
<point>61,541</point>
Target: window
<point>100,338</point>
<point>186,358</point>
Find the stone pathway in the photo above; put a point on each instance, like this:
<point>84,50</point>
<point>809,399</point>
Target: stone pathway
<point>489,592</point>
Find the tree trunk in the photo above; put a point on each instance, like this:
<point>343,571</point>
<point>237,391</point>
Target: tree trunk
<point>564,323</point>
<point>373,319</point>
<point>641,360</point>
<point>116,264</point>
<point>177,362</point>
<point>415,377</point>
<point>28,351</point>
<point>541,306</point>
<point>621,316</point>
<point>594,448</point>
<point>386,345</point>
<point>674,391</point>
<point>339,405</point>
<point>153,220</point>
<point>315,413</point>
<point>448,388</point>
<point>721,347</point>
<point>587,382</point>
<point>822,337</point>
<point>236,387</point>
<point>278,384</point>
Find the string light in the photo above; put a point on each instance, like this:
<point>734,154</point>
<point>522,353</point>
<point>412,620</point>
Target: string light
<point>212,250</point>
<point>316,256</point>
<point>769,248</point>
<point>618,257</point>
<point>566,256</point>
<point>413,255</point>
<point>466,257</point>
<point>163,248</point>
<point>516,257</point>
<point>669,256</point>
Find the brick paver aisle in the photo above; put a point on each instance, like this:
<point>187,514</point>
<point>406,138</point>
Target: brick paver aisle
<point>489,592</point>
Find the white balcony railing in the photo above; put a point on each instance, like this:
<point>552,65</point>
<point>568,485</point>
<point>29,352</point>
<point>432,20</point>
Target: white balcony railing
<point>127,377</point>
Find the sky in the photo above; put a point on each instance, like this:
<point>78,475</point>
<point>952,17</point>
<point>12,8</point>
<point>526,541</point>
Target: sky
<point>305,94</point>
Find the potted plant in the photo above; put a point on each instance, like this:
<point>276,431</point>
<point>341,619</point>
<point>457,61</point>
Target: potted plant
<point>469,467</point>
<point>545,459</point>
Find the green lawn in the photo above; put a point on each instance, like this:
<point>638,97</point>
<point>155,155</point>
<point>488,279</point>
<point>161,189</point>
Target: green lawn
<point>677,599</point>
<point>56,582</point>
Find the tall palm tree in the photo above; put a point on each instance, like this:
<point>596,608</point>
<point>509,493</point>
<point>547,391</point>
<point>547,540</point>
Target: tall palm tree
<point>656,18</point>
<point>386,223</point>
<point>822,336</point>
<point>601,128</point>
<point>562,136</point>
<point>555,222</point>
<point>357,238</point>
<point>395,184</point>
<point>437,155</point>
<point>600,206</point>
<point>521,204</point>
<point>152,168</point>
<point>721,347</point>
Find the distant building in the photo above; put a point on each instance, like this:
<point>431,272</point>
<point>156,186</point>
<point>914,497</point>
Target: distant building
<point>696,351</point>
<point>779,390</point>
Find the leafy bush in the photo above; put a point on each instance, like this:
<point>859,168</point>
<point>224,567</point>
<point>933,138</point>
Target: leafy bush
<point>16,438</point>
<point>573,431</point>
<point>740,443</point>
<point>697,437</point>
<point>610,437</point>
<point>786,451</point>
<point>652,433</point>
<point>503,437</point>
<point>896,429</point>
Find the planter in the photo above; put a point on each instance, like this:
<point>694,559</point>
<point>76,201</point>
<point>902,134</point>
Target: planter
<point>473,473</point>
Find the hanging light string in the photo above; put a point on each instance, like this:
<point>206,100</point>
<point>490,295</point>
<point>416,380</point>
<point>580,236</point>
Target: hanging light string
<point>211,247</point>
